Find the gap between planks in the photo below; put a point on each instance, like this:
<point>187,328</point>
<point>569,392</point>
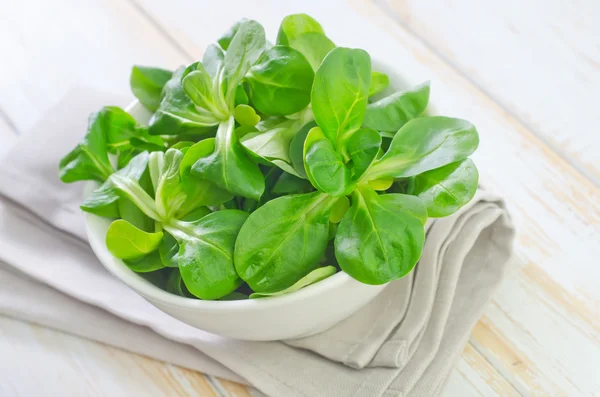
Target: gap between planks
<point>188,49</point>
<point>389,10</point>
<point>517,120</point>
<point>177,39</point>
<point>539,58</point>
<point>564,165</point>
<point>493,377</point>
<point>183,46</point>
<point>92,367</point>
<point>225,384</point>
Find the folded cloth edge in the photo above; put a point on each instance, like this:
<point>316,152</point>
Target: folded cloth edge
<point>59,221</point>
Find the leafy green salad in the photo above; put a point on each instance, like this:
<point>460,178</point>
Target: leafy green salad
<point>268,167</point>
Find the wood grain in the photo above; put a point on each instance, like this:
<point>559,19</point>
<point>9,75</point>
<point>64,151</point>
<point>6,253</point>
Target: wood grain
<point>93,42</point>
<point>485,379</point>
<point>539,60</point>
<point>87,368</point>
<point>541,334</point>
<point>556,209</point>
<point>51,363</point>
<point>544,190</point>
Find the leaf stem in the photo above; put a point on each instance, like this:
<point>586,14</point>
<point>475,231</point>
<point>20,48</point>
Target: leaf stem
<point>381,169</point>
<point>138,195</point>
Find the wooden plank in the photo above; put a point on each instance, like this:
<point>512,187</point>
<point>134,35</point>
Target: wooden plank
<point>552,202</point>
<point>538,59</point>
<point>90,369</point>
<point>56,364</point>
<point>557,224</point>
<point>458,385</point>
<point>93,42</point>
<point>563,360</point>
<point>569,209</point>
<point>233,389</point>
<point>557,208</point>
<point>483,377</point>
<point>184,28</point>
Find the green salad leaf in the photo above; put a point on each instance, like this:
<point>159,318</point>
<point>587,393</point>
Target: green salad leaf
<point>389,114</point>
<point>293,238</point>
<point>89,160</point>
<point>379,82</point>
<point>205,255</point>
<point>324,165</point>
<point>229,166</point>
<point>147,84</point>
<point>446,189</point>
<point>267,168</point>
<point>126,241</point>
<point>146,264</point>
<point>340,92</point>
<point>424,144</point>
<point>279,83</point>
<point>177,114</point>
<point>316,275</point>
<point>381,237</point>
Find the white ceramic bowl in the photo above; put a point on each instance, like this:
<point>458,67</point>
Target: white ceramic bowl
<point>302,313</point>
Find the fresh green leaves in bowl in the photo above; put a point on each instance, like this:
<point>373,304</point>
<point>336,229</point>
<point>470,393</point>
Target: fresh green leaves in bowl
<point>268,167</point>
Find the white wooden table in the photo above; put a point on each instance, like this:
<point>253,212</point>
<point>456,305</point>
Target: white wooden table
<point>526,73</point>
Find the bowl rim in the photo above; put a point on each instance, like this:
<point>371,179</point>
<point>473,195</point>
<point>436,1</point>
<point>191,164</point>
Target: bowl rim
<point>118,268</point>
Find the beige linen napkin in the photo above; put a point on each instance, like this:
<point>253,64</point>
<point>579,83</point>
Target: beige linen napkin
<point>404,343</point>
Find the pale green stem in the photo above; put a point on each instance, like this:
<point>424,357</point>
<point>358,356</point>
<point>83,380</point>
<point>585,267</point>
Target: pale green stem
<point>137,195</point>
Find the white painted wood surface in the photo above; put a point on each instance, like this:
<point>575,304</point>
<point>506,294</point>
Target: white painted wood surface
<point>528,88</point>
<point>44,362</point>
<point>539,59</point>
